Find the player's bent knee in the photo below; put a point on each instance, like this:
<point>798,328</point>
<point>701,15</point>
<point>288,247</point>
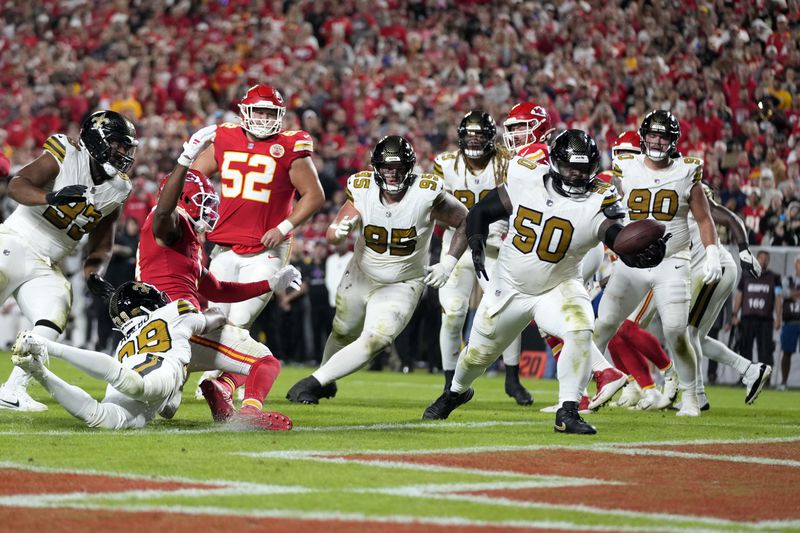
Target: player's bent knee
<point>376,341</point>
<point>478,358</point>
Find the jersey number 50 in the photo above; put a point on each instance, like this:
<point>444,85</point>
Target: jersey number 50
<point>553,228</point>
<point>249,185</point>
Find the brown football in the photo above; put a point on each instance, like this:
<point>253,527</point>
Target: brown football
<point>637,236</point>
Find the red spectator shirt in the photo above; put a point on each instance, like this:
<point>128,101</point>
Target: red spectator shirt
<point>256,192</point>
<point>174,269</point>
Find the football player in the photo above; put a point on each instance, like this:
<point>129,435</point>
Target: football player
<point>469,173</point>
<point>383,283</point>
<point>75,188</point>
<point>557,215</point>
<point>663,188</point>
<point>261,168</point>
<point>528,129</point>
<point>170,258</point>
<point>146,375</point>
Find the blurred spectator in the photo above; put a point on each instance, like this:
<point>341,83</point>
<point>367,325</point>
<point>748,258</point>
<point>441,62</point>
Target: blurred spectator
<point>318,298</point>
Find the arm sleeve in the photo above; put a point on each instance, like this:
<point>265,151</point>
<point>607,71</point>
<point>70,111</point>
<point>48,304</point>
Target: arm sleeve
<point>230,291</point>
<point>488,210</point>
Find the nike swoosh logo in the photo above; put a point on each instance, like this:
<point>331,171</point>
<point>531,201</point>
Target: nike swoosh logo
<point>561,427</point>
<point>678,266</point>
<point>12,404</point>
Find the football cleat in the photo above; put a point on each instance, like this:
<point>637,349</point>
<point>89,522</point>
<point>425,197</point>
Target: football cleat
<point>17,398</point>
<point>519,393</point>
<point>257,419</point>
<point>689,405</point>
<point>754,379</point>
<point>631,394</point>
<point>702,401</point>
<point>568,420</point>
<point>583,407</point>
<point>608,382</point>
<point>219,399</point>
<point>652,400</point>
<point>329,390</point>
<point>307,390</point>
<point>446,404</point>
<point>670,390</point>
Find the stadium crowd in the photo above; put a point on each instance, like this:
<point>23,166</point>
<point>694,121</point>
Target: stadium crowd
<point>353,71</point>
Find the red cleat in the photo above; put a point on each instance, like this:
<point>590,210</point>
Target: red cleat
<point>219,399</point>
<point>258,419</point>
<point>608,382</point>
<point>583,405</point>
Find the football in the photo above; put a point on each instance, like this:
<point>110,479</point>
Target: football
<point>637,236</point>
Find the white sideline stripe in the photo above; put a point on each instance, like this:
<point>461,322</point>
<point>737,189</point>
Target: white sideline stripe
<point>360,517</point>
<point>600,446</point>
<point>706,456</point>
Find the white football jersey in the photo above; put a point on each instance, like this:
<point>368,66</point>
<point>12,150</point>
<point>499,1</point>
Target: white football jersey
<point>661,195</point>
<point>549,234</point>
<point>162,335</point>
<point>469,188</point>
<point>395,238</point>
<point>54,231</point>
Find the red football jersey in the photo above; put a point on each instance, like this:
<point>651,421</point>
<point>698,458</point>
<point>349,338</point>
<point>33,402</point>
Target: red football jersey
<point>175,269</point>
<point>606,176</point>
<point>536,152</point>
<point>256,193</point>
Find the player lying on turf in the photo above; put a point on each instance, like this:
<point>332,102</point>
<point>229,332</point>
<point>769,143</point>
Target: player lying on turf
<point>146,375</point>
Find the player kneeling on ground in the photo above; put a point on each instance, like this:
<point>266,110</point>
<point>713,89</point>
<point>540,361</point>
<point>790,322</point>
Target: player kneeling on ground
<point>146,376</point>
<point>556,215</point>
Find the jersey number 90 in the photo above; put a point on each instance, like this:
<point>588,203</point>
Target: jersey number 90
<point>663,204</point>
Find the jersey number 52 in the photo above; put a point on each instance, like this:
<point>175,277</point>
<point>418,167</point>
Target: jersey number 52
<point>247,175</point>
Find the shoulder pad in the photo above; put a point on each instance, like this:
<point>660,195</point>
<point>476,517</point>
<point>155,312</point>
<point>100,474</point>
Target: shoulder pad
<point>185,307</point>
<point>56,145</point>
<point>601,187</point>
<point>431,182</point>
<point>444,156</point>
<point>613,207</point>
<point>363,174</point>
<point>527,163</point>
<point>229,125</point>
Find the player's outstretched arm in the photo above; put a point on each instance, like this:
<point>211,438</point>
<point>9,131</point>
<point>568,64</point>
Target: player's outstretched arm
<point>451,212</point>
<point>101,241</point>
<point>304,178</point>
<point>346,220</point>
<point>698,203</point>
<point>27,187</point>
<point>495,206</point>
<point>735,225</point>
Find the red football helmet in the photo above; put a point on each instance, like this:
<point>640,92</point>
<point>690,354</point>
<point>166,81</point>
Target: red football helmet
<point>527,123</point>
<point>626,143</point>
<point>262,97</point>
<point>199,201</point>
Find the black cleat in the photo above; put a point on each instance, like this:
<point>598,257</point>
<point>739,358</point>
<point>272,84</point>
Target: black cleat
<point>568,420</point>
<point>307,390</point>
<point>446,403</point>
<point>514,388</point>
<point>329,390</point>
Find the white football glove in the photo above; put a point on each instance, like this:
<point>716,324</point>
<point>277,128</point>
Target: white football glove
<point>196,144</point>
<point>345,226</point>
<point>284,278</point>
<point>712,269</point>
<point>28,343</point>
<point>439,273</point>
<point>748,262</point>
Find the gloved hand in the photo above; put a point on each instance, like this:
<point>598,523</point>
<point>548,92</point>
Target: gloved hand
<point>345,226</point>
<point>712,269</point>
<point>196,144</point>
<point>66,195</point>
<point>99,287</point>
<point>439,273</point>
<point>748,262</point>
<point>650,256</point>
<point>477,244</point>
<point>285,278</point>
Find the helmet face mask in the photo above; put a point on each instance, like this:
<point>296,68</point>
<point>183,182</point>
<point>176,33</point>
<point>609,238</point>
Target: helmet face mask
<point>134,299</point>
<point>574,161</point>
<point>262,110</point>
<point>110,139</point>
<point>476,135</point>
<point>659,134</point>
<point>393,161</point>
<point>526,123</point>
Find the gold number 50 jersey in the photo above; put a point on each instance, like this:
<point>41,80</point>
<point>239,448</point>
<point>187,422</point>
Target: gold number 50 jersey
<point>661,195</point>
<point>549,234</point>
<point>53,231</point>
<point>395,238</point>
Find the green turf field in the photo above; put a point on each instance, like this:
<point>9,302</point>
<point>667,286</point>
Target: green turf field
<point>366,457</point>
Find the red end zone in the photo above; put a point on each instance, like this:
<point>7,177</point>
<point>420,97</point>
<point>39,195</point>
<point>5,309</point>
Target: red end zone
<point>715,488</point>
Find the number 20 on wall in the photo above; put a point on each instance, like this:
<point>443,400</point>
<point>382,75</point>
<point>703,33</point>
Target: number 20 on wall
<point>250,185</point>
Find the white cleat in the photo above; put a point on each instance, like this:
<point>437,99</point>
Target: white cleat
<point>652,400</point>
<point>670,391</point>
<point>689,405</point>
<point>17,398</point>
<point>754,379</point>
<point>631,394</point>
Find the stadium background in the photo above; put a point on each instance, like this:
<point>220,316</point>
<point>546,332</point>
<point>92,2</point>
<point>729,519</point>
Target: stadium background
<point>354,71</point>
